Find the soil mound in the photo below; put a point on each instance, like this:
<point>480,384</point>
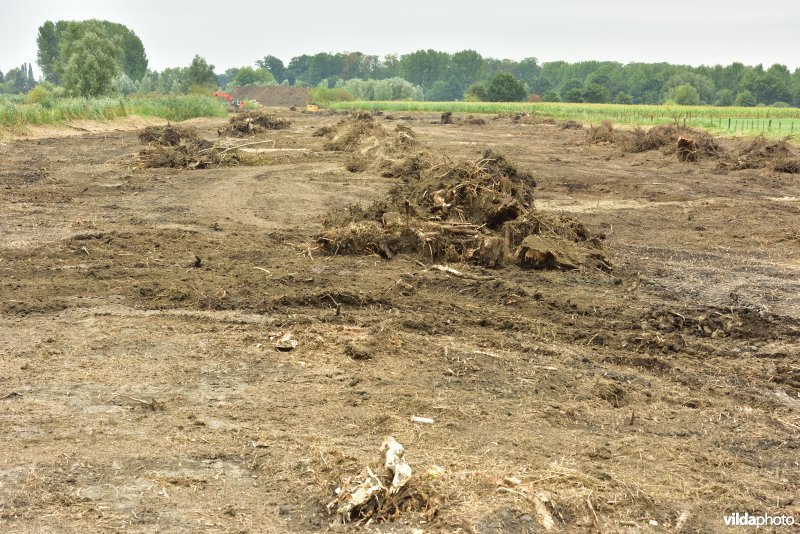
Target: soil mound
<point>175,147</point>
<point>247,123</point>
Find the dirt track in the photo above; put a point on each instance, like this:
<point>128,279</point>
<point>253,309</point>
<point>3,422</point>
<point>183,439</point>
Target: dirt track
<point>141,391</point>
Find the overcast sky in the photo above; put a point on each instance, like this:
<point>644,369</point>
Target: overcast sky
<point>232,33</point>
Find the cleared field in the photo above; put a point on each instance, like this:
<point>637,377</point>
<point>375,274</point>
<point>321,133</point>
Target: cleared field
<point>146,382</point>
<point>772,122</point>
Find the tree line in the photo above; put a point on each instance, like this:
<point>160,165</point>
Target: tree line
<point>94,57</point>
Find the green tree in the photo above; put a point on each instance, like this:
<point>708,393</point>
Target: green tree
<point>595,93</point>
<point>389,67</point>
<point>703,85</point>
<point>251,76</point>
<point>91,61</point>
<point>796,87</point>
<point>574,95</point>
<point>527,71</point>
<point>570,85</point>
<point>52,38</point>
<point>201,74</point>
<point>297,69</point>
<point>685,95</point>
<point>506,88</point>
<point>134,58</point>
<point>725,97</point>
<point>476,93</point>
<point>623,98</point>
<point>551,96</point>
<point>323,66</point>
<point>425,67</point>
<point>227,76</point>
<point>14,82</point>
<point>466,68</point>
<point>48,44</point>
<point>773,85</point>
<point>443,91</point>
<point>745,99</point>
<point>124,85</point>
<point>274,65</point>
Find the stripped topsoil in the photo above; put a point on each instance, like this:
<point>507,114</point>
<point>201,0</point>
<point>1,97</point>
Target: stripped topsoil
<point>595,331</point>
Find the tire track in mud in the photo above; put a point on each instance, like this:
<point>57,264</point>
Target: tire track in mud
<point>281,197</point>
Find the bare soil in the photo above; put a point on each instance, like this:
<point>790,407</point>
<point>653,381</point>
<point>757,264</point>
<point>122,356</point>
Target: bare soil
<point>141,389</point>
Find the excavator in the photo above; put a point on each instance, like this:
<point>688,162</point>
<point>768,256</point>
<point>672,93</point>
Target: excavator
<point>229,97</point>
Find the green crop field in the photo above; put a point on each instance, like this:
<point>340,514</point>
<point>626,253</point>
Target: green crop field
<point>15,112</point>
<point>774,122</point>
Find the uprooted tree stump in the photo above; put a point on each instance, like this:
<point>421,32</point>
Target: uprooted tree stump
<point>687,149</point>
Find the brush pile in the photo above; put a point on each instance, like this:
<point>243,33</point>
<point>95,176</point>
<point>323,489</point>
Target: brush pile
<point>688,144</point>
<point>371,147</point>
<point>175,147</point>
<point>763,153</point>
<point>478,210</point>
<point>248,123</point>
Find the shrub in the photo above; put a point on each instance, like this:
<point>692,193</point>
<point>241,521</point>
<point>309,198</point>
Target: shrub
<point>506,88</point>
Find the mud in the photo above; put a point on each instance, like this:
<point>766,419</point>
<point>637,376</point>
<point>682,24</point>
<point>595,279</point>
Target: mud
<point>142,389</point>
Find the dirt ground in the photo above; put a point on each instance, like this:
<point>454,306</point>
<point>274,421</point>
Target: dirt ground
<point>141,390</point>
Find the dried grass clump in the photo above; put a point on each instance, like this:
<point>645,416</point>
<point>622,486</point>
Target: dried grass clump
<point>351,131</point>
<point>603,133</point>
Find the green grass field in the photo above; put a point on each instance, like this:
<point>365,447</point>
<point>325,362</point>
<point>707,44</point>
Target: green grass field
<point>774,122</point>
<point>15,112</point>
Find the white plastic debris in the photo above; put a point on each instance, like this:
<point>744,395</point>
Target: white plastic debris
<point>423,420</point>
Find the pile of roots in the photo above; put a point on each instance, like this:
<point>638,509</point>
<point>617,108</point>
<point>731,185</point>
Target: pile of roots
<point>248,123</point>
<point>371,147</point>
<point>479,210</point>
<point>175,147</point>
<point>181,148</point>
<point>448,118</point>
<point>688,144</point>
<point>763,153</point>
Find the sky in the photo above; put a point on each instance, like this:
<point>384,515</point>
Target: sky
<point>238,32</point>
